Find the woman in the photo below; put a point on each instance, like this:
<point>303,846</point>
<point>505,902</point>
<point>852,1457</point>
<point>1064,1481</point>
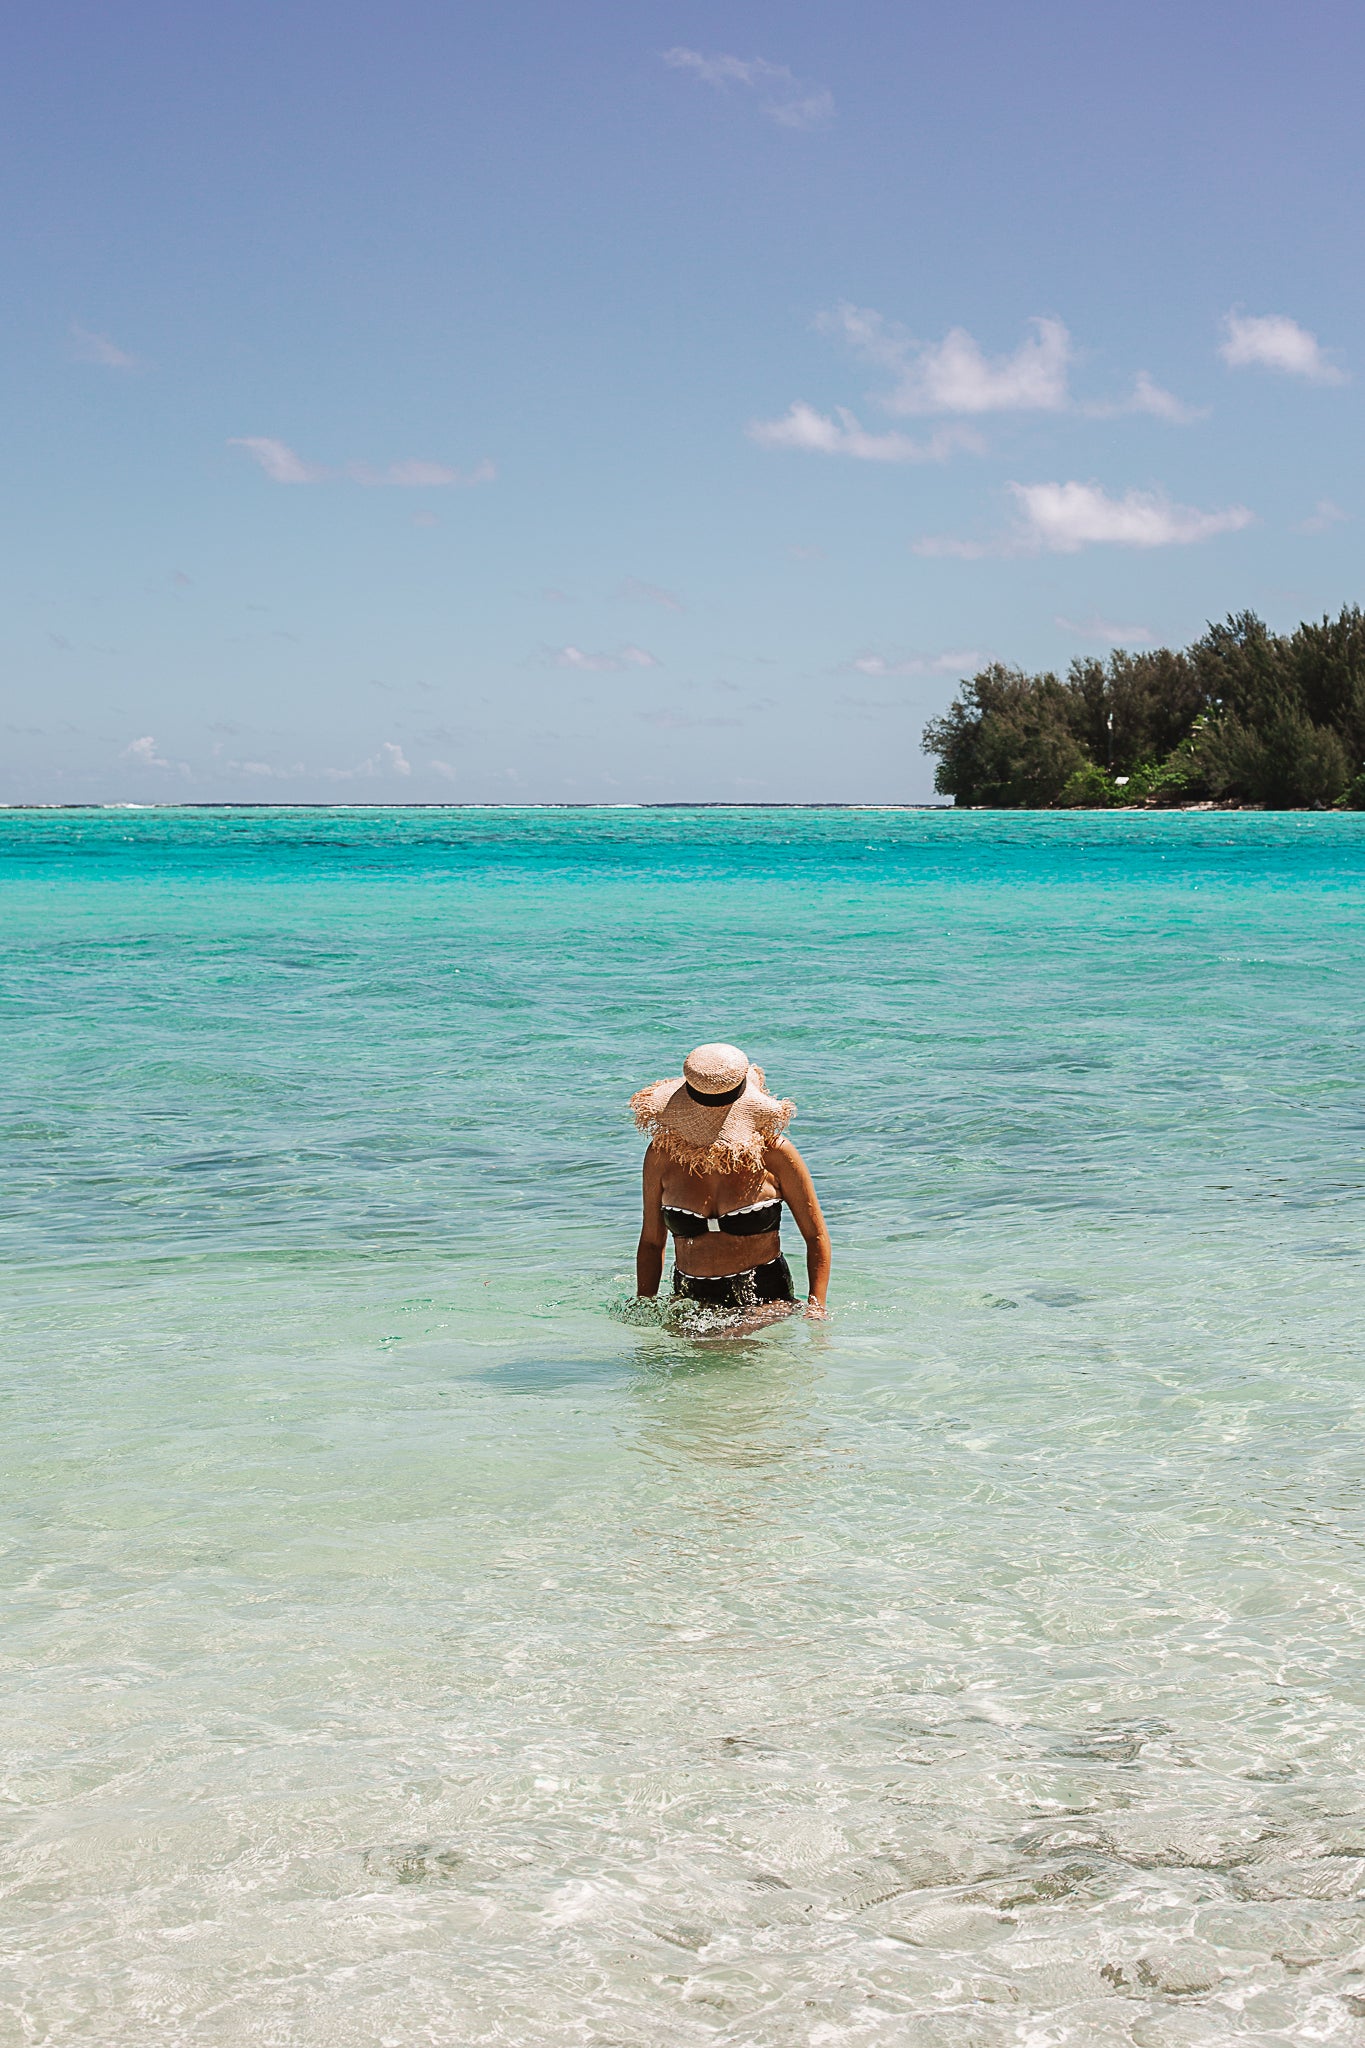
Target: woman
<point>717,1172</point>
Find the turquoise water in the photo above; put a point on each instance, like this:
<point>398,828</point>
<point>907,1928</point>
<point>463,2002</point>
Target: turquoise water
<point>400,1647</point>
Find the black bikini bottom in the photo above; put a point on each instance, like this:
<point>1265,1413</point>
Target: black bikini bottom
<point>772,1282</point>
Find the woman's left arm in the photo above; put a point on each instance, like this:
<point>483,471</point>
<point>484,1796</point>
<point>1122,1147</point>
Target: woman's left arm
<point>649,1255</point>
<point>792,1175</point>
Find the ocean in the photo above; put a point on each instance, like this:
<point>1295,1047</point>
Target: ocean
<point>402,1645</point>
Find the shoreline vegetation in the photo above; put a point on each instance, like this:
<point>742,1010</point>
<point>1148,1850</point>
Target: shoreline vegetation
<point>1243,719</point>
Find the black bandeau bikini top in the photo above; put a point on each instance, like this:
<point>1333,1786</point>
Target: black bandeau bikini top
<point>751,1222</point>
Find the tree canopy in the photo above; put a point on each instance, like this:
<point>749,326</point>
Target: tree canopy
<point>1242,716</point>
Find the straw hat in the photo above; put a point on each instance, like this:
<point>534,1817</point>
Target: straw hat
<point>717,1116</point>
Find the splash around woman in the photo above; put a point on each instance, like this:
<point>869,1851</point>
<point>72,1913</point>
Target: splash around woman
<point>718,1169</point>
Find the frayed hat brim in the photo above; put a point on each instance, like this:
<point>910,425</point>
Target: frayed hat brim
<point>712,1138</point>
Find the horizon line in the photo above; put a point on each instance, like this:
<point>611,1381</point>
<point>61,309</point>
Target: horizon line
<point>681,804</point>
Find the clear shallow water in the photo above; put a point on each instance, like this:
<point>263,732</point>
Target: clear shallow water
<point>399,1648</point>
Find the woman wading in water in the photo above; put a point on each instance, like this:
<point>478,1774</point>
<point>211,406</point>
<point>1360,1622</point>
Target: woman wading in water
<point>717,1172</point>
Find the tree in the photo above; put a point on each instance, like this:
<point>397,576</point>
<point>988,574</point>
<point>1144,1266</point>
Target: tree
<point>1288,764</point>
<point>1135,707</point>
<point>1327,661</point>
<point>1006,741</point>
<point>1243,714</point>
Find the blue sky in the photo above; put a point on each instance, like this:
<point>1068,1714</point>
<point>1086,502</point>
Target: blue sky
<point>535,403</point>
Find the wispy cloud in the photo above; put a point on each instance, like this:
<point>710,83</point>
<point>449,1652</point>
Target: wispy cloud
<point>1323,516</point>
<point>268,771</point>
<point>284,466</point>
<point>417,475</point>
<point>649,593</point>
<point>1272,341</point>
<point>675,721</point>
<point>143,752</point>
<point>954,663</point>
<point>817,433</point>
<point>1149,397</point>
<point>416,689</point>
<point>1062,518</point>
<point>388,759</point>
<point>598,664</point>
<point>279,462</point>
<point>955,375</point>
<point>88,347</point>
<point>953,378</point>
<point>1105,631</point>
<point>781,94</point>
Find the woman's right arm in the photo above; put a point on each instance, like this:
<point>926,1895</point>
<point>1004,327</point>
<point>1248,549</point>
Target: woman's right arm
<point>792,1175</point>
<point>649,1256</point>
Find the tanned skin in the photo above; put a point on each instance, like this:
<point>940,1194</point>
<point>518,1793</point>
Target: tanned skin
<point>784,1173</point>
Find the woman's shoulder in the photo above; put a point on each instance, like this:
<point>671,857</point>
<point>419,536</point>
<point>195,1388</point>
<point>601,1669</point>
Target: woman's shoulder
<point>781,1159</point>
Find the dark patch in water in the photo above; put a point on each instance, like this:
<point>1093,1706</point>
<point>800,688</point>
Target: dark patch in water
<point>553,1375</point>
<point>421,1863</point>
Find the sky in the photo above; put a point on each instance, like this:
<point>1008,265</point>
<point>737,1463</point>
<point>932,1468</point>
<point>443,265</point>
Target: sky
<point>531,403</point>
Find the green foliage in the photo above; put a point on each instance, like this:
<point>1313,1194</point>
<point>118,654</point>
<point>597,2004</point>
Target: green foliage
<point>1242,716</point>
<point>1328,663</point>
<point>1089,789</point>
<point>1288,764</point>
<point>1134,707</point>
<point>1006,742</point>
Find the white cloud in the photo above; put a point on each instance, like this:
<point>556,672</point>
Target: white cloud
<point>955,375</point>
<point>817,433</point>
<point>283,466</point>
<point>418,475</point>
<point>1272,341</point>
<point>98,348</point>
<point>1096,628</point>
<point>919,664</point>
<point>264,768</point>
<point>625,657</point>
<point>388,759</point>
<point>1162,404</point>
<point>279,462</point>
<point>784,99</point>
<point>443,769</point>
<point>144,753</point>
<point>1149,397</point>
<point>1061,518</point>
<point>1324,515</point>
<point>723,70</point>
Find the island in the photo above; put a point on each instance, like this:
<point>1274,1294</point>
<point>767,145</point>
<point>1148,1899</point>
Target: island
<point>1243,718</point>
